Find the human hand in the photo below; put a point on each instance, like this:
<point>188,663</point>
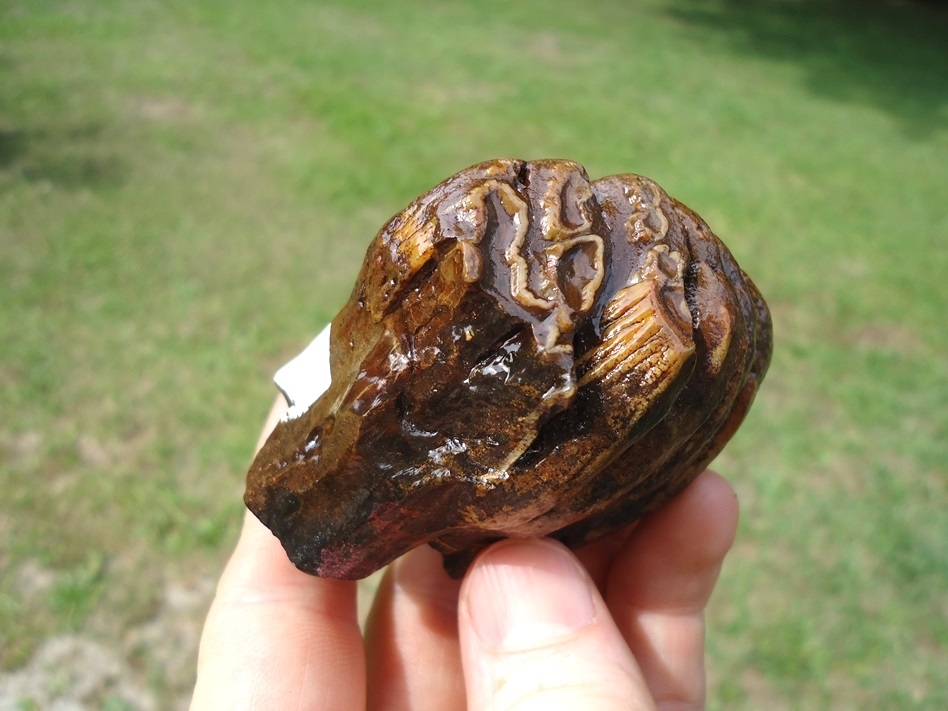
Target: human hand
<point>617,625</point>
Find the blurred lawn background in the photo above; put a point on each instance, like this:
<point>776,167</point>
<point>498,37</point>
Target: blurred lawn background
<point>186,192</point>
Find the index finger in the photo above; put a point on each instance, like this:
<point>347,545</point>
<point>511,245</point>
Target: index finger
<point>276,637</point>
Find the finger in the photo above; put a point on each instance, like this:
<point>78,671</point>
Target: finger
<point>276,637</point>
<point>660,584</point>
<point>536,634</point>
<point>412,637</point>
<point>273,417</point>
<point>597,557</point>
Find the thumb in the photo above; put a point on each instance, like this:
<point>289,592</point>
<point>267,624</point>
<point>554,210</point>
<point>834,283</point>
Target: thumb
<point>535,634</point>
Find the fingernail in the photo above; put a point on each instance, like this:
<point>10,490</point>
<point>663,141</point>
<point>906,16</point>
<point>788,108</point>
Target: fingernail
<point>527,593</point>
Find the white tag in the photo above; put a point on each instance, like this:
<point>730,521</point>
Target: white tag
<point>306,377</point>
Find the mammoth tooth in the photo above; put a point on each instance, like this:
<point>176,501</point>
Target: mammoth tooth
<point>525,353</point>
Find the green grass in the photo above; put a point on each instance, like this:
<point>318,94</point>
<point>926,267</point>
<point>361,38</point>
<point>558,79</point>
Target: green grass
<point>186,191</point>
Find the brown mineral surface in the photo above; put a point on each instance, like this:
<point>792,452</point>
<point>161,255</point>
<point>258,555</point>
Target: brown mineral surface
<point>526,352</point>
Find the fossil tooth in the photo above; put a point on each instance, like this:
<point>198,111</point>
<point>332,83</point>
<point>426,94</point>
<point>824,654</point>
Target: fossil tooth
<point>525,352</point>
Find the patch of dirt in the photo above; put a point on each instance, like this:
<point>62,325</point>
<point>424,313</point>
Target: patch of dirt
<point>885,336</point>
<point>80,672</point>
<point>70,673</point>
<point>163,110</point>
<point>35,579</point>
<point>546,46</point>
<point>21,447</point>
<point>147,667</point>
<point>167,644</point>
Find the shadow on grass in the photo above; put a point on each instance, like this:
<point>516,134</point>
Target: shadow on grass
<point>73,158</point>
<point>888,54</point>
<point>12,146</point>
